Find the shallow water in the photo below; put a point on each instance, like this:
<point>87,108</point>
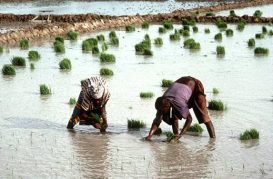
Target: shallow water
<point>99,7</point>
<point>35,143</point>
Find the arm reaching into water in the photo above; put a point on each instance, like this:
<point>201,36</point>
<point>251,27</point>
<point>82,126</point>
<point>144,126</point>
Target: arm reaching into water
<point>185,127</point>
<point>154,126</point>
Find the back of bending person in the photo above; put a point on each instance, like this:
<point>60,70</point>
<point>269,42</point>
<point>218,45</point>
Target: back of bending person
<point>185,93</point>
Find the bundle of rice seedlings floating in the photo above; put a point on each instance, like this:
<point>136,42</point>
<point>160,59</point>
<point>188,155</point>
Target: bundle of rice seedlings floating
<point>104,46</point>
<point>215,91</point>
<point>130,28</point>
<point>229,32</point>
<point>24,43</point>
<point>259,36</point>
<point>220,50</point>
<point>144,47</point>
<point>71,35</point>
<point>18,61</point>
<point>221,24</point>
<point>88,44</point>
<point>1,49</point>
<point>264,29</point>
<point>146,94</point>
<point>210,14</point>
<point>59,47</point>
<point>191,44</point>
<point>258,13</point>
<point>32,66</point>
<point>107,58</point>
<point>261,51</point>
<point>166,83</point>
<point>158,131</point>
<point>241,26</point>
<point>114,41</point>
<point>251,42</point>
<point>190,22</point>
<point>60,39</point>
<point>135,124</point>
<point>44,89</point>
<point>250,134</point>
<point>175,36</point>
<point>65,64</point>
<point>270,32</point>
<point>145,25</point>
<point>195,128</point>
<point>168,24</point>
<point>170,136</point>
<point>162,30</point>
<point>33,55</point>
<point>207,31</point>
<point>72,101</point>
<point>158,41</point>
<point>232,13</point>
<point>106,72</point>
<point>112,34</point>
<point>95,50</point>
<point>195,29</point>
<point>147,37</point>
<point>94,118</point>
<point>216,105</point>
<point>100,37</point>
<point>218,36</point>
<point>185,33</point>
<point>8,70</point>
<point>186,27</point>
<point>148,52</point>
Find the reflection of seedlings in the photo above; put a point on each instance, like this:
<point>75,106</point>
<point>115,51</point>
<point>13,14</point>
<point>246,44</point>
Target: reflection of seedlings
<point>106,72</point>
<point>229,32</point>
<point>170,136</point>
<point>71,35</point>
<point>65,64</point>
<point>210,14</point>
<point>113,34</point>
<point>175,36</point>
<point>249,134</point>
<point>261,51</point>
<point>232,13</point>
<point>188,22</point>
<point>32,66</point>
<point>264,29</point>
<point>220,50</point>
<point>251,42</point>
<point>100,37</point>
<point>221,24</point>
<point>158,131</point>
<point>44,89</point>
<point>207,31</point>
<point>218,37</point>
<point>104,46</point>
<point>114,41</point>
<point>24,43</point>
<point>168,24</point>
<point>108,58</point>
<point>241,26</point>
<point>18,61</point>
<point>135,124</point>
<point>215,91</point>
<point>195,29</point>
<point>162,30</point>
<point>146,94</point>
<point>59,47</point>
<point>95,50</point>
<point>60,39</point>
<point>217,105</point>
<point>72,101</point>
<point>158,41</point>
<point>259,36</point>
<point>195,128</point>
<point>166,83</point>
<point>145,25</point>
<point>130,28</point>
<point>33,55</point>
<point>258,13</point>
<point>8,70</point>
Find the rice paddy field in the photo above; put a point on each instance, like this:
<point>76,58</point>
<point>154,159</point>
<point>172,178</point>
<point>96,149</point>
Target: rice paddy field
<point>34,141</point>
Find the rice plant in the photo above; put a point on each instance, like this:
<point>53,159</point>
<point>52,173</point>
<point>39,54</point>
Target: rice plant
<point>270,32</point>
<point>72,101</point>
<point>170,136</point>
<point>162,30</point>
<point>144,47</point>
<point>229,32</point>
<point>65,64</point>
<point>191,44</point>
<point>158,131</point>
<point>220,50</point>
<point>107,58</point>
<point>114,41</point>
<point>195,29</point>
<point>130,28</point>
<point>175,36</point>
<point>44,89</point>
<point>59,47</point>
<point>185,33</point>
<point>241,26</point>
<point>186,27</point>
<point>148,52</point>
<point>100,37</point>
<point>218,36</point>
<point>168,25</point>
<point>232,13</point>
<point>95,50</point>
<point>217,105</point>
<point>258,13</point>
<point>88,44</point>
<point>251,42</point>
<point>135,124</point>
<point>210,14</point>
<point>195,128</point>
<point>207,31</point>
<point>24,43</point>
<point>32,66</point>
<point>33,55</point>
<point>221,24</point>
<point>112,34</point>
<point>94,118</point>
<point>71,35</point>
<point>60,39</point>
<point>18,61</point>
<point>190,22</point>
<point>104,46</point>
<point>264,29</point>
<point>146,94</point>
<point>259,36</point>
<point>145,25</point>
<point>158,41</point>
<point>250,134</point>
<point>106,72</point>
<point>166,83</point>
<point>261,51</point>
<point>8,70</point>
<point>215,91</point>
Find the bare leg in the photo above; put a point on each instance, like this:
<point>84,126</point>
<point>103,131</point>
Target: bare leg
<point>210,129</point>
<point>175,126</point>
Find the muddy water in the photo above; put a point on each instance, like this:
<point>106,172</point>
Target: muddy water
<point>99,7</point>
<point>34,142</point>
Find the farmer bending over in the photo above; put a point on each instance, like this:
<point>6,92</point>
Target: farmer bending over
<point>185,93</point>
<point>90,107</point>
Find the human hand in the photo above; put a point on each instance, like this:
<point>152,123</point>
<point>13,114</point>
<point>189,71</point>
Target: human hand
<point>104,125</point>
<point>148,138</point>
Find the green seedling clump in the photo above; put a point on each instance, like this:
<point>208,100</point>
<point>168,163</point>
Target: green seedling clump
<point>217,105</point>
<point>72,101</point>
<point>104,46</point>
<point>106,72</point>
<point>112,34</point>
<point>95,50</point>
<point>107,58</point>
<point>71,35</point>
<point>100,37</point>
<point>33,55</point>
<point>232,13</point>
<point>158,131</point>
<point>44,89</point>
<point>60,39</point>
<point>191,44</point>
<point>215,91</point>
<point>146,94</point>
<point>229,32</point>
<point>8,70</point>
<point>251,42</point>
<point>188,22</point>
<point>195,29</point>
<point>166,83</point>
<point>168,25</point>
<point>135,124</point>
<point>249,134</point>
<point>145,25</point>
<point>170,136</point>
<point>218,36</point>
<point>210,14</point>
<point>32,66</point>
<point>195,128</point>
<point>175,36</point>
<point>241,26</point>
<point>207,31</point>
<point>259,36</point>
<point>148,52</point>
<point>185,33</point>
<point>221,24</point>
<point>186,27</point>
<point>88,44</point>
<point>65,64</point>
<point>24,43</point>
<point>158,41</point>
<point>261,51</point>
<point>114,41</point>
<point>162,30</point>
<point>270,32</point>
<point>130,28</point>
<point>94,118</point>
<point>258,13</point>
<point>220,50</point>
<point>264,29</point>
<point>59,47</point>
<point>18,61</point>
<point>144,47</point>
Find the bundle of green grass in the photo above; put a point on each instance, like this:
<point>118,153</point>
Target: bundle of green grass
<point>18,61</point>
<point>207,31</point>
<point>72,101</point>
<point>8,70</point>
<point>60,39</point>
<point>220,50</point>
<point>144,47</point>
<point>71,35</point>
<point>195,128</point>
<point>146,94</point>
<point>184,33</point>
<point>135,124</point>
<point>100,37</point>
<point>259,36</point>
<point>33,55</point>
<point>89,44</point>
<point>24,43</point>
<point>210,14</point>
<point>114,41</point>
<point>107,58</point>
<point>215,91</point>
<point>162,30</point>
<point>221,24</point>
<point>251,42</point>
<point>130,28</point>
<point>232,13</point>
<point>218,36</point>
<point>166,83</point>
<point>216,105</point>
<point>191,44</point>
<point>168,24</point>
<point>195,29</point>
<point>65,64</point>
<point>44,89</point>
<point>104,46</point>
<point>229,32</point>
<point>59,45</point>
<point>158,131</point>
<point>175,36</point>
<point>187,22</point>
<point>264,29</point>
<point>95,50</point>
<point>145,25</point>
<point>261,51</point>
<point>158,41</point>
<point>258,13</point>
<point>170,136</point>
<point>241,26</point>
<point>249,134</point>
<point>106,72</point>
<point>32,66</point>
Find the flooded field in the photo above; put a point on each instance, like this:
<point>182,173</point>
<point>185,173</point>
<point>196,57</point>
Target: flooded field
<point>99,7</point>
<point>34,142</point>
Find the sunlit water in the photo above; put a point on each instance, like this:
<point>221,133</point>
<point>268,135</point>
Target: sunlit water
<point>34,142</point>
<point>99,7</point>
